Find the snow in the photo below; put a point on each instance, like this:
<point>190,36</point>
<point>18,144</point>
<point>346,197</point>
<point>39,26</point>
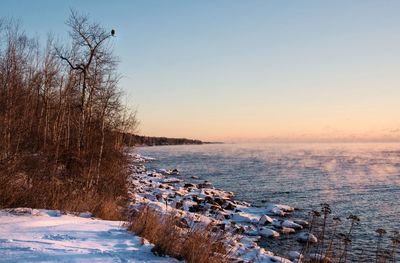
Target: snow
<point>201,205</point>
<point>291,224</point>
<point>28,235</point>
<point>279,209</point>
<point>307,237</point>
<point>265,220</point>
<point>245,218</point>
<point>266,232</point>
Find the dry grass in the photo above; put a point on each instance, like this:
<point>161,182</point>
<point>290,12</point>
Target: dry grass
<point>34,182</point>
<point>336,237</point>
<point>171,237</point>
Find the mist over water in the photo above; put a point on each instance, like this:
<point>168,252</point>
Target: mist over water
<point>362,179</point>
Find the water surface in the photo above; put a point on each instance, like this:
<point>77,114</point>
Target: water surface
<point>362,179</point>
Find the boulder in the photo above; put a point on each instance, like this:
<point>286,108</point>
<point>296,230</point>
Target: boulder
<point>266,232</point>
<point>291,224</point>
<point>230,206</point>
<point>295,255</point>
<point>279,210</point>
<point>264,219</point>
<point>287,230</point>
<point>319,258</point>
<point>301,222</point>
<point>307,237</point>
<point>244,218</point>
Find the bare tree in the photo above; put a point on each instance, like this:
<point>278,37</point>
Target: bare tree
<point>61,117</point>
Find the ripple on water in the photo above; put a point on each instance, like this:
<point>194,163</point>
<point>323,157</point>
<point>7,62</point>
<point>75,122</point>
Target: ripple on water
<point>362,179</point>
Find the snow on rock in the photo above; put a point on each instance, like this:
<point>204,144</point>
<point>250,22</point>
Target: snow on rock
<point>307,237</point>
<point>301,222</point>
<point>265,220</point>
<point>276,223</point>
<point>245,218</point>
<point>201,204</point>
<point>291,224</point>
<point>86,215</point>
<point>295,255</point>
<point>319,257</point>
<point>287,230</point>
<point>30,235</point>
<point>266,232</point>
<point>279,210</point>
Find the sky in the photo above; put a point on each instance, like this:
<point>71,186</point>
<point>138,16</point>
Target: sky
<point>248,70</point>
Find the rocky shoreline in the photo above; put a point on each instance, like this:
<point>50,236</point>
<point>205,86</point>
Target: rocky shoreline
<point>202,204</point>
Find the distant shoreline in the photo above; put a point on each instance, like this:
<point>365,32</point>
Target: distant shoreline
<point>148,141</point>
<point>154,145</point>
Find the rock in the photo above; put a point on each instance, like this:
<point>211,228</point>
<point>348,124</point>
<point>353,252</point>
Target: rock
<point>307,237</point>
<point>230,206</point>
<point>303,223</point>
<point>179,205</point>
<point>180,193</point>
<point>215,207</point>
<point>277,223</point>
<point>206,184</point>
<point>294,255</point>
<point>210,200</point>
<point>187,185</point>
<point>194,209</point>
<point>173,172</point>
<point>182,223</point>
<point>291,224</point>
<point>265,220</point>
<point>220,201</point>
<point>238,230</point>
<point>86,215</point>
<point>159,197</point>
<point>194,177</point>
<point>319,258</point>
<point>266,232</point>
<point>171,181</point>
<point>279,210</point>
<point>221,226</point>
<point>244,218</point>
<point>287,230</point>
<point>198,199</point>
<point>227,216</point>
<point>162,171</point>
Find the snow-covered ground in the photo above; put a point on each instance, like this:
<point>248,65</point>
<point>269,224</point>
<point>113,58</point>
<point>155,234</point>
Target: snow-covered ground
<point>29,235</point>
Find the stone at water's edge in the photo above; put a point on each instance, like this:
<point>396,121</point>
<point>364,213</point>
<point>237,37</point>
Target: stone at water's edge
<point>307,237</point>
<point>203,204</point>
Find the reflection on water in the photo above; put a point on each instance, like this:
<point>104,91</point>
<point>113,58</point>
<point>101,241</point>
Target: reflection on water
<point>363,179</point>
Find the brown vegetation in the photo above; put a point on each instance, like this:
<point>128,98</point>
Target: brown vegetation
<point>174,238</point>
<point>61,121</point>
<point>335,245</point>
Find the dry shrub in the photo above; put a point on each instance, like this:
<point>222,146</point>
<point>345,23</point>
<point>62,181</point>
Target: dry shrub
<point>199,242</point>
<point>62,126</point>
<point>170,237</point>
<point>33,181</point>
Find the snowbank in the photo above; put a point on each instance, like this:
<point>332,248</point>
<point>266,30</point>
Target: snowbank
<point>30,235</point>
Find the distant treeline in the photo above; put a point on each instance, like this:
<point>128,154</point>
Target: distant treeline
<point>137,140</point>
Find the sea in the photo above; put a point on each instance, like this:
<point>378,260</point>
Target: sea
<point>362,179</point>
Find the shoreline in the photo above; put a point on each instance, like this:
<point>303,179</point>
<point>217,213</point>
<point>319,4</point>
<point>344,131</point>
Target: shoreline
<point>203,204</point>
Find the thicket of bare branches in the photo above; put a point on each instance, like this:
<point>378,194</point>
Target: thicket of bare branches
<point>61,120</point>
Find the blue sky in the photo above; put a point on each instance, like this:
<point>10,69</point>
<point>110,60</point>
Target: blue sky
<point>252,70</point>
